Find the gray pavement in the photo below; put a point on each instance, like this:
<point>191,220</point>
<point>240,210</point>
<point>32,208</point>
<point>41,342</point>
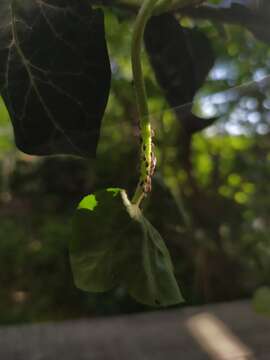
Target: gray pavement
<point>162,335</point>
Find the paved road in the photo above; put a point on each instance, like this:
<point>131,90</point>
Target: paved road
<point>154,336</point>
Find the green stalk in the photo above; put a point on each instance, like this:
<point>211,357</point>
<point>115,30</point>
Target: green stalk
<point>144,185</point>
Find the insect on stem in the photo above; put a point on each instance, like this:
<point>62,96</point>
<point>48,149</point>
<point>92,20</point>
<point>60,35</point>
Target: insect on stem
<point>147,156</point>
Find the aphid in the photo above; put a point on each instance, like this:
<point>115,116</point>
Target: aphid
<point>147,185</point>
<point>153,164</point>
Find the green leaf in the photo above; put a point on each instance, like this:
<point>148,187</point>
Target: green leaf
<point>113,244</point>
<point>88,202</point>
<point>261,300</point>
<point>3,114</point>
<point>54,74</point>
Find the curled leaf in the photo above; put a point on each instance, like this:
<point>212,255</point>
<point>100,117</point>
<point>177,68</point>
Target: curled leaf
<point>181,59</point>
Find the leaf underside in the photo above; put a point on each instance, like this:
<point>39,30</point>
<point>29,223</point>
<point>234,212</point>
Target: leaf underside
<point>109,248</point>
<point>54,74</point>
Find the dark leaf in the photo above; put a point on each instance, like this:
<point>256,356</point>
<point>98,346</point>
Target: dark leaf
<point>181,59</point>
<point>54,74</point>
<point>114,244</point>
<point>252,14</point>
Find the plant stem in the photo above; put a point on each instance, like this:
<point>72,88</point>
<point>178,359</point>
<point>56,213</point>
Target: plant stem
<point>147,165</point>
<point>144,185</point>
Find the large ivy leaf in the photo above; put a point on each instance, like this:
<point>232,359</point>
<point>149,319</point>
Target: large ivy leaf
<point>114,244</point>
<point>181,59</point>
<point>54,74</point>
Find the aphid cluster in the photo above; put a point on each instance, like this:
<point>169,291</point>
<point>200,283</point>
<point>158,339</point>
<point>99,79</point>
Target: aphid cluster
<point>148,164</point>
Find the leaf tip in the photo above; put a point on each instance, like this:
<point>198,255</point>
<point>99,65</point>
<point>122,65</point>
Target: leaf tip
<point>115,191</point>
<point>89,202</point>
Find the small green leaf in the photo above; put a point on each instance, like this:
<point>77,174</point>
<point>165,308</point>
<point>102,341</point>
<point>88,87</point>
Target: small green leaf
<point>261,300</point>
<point>89,202</point>
<point>113,244</point>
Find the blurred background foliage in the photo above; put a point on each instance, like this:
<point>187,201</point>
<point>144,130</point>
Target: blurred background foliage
<point>213,214</point>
